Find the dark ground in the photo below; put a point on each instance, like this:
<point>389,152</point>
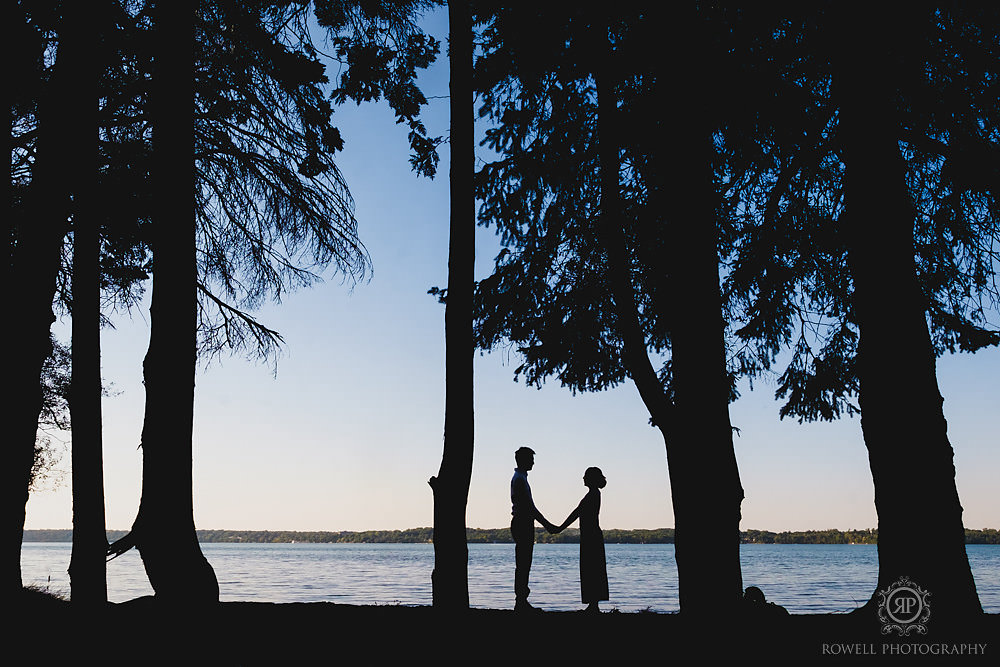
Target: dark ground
<point>144,632</point>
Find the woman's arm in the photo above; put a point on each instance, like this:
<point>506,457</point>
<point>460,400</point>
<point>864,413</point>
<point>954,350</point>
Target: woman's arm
<point>574,515</point>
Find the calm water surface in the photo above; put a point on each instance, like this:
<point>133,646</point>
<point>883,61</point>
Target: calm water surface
<point>804,578</point>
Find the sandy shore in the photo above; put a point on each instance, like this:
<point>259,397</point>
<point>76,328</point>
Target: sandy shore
<point>145,632</point>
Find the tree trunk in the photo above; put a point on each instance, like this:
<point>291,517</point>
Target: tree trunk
<point>87,569</point>
<point>704,476</point>
<point>705,487</point>
<point>164,530</point>
<point>705,481</point>
<point>902,416</point>
<point>34,267</point>
<point>450,578</point>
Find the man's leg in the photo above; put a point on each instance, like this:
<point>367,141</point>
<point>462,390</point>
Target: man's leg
<point>523,551</point>
<point>524,546</point>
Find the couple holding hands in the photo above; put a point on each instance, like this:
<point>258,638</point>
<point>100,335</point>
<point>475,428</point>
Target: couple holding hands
<point>593,565</point>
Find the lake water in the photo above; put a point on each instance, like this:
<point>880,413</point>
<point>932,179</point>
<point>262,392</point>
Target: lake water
<point>803,578</point>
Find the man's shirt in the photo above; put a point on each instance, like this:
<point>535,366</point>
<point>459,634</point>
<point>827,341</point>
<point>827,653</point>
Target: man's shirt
<point>522,506</point>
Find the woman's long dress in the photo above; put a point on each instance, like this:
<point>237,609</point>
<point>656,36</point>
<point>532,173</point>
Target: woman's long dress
<point>593,564</point>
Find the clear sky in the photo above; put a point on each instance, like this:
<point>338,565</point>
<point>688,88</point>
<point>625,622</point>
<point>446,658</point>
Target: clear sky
<point>347,433</point>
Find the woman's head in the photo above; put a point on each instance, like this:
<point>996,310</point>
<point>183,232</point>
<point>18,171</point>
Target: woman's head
<point>593,477</point>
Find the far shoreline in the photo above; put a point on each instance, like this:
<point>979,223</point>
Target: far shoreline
<point>424,535</point>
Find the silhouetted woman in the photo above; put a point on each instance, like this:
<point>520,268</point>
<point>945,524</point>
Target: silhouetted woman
<point>593,565</point>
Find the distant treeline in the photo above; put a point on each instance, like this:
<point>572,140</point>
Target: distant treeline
<point>502,535</point>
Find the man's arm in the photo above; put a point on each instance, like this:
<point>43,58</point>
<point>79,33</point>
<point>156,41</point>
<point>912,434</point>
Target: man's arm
<point>548,525</point>
<point>521,492</point>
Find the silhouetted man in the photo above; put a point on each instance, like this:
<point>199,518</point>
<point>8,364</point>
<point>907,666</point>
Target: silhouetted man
<point>522,525</point>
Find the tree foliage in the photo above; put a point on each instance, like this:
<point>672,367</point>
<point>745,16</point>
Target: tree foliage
<point>548,294</point>
<point>274,212</point>
<point>788,283</point>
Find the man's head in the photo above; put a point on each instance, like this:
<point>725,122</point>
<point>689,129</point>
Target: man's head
<point>525,458</point>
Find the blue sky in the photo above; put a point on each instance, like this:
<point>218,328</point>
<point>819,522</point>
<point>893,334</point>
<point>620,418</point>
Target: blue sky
<point>347,433</point>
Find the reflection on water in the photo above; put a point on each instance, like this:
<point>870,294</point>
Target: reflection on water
<point>802,578</point>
